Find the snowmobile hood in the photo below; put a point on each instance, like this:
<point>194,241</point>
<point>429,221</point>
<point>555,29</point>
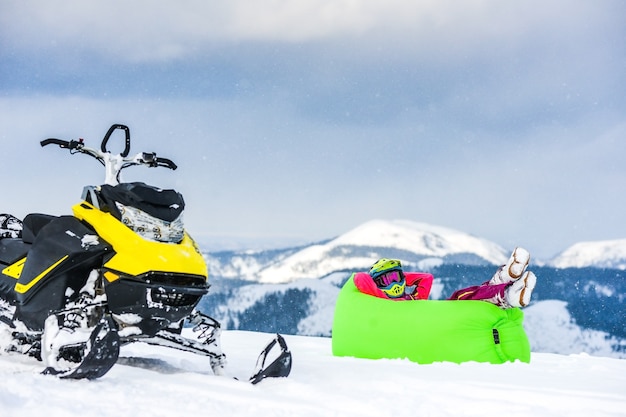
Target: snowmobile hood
<point>136,255</point>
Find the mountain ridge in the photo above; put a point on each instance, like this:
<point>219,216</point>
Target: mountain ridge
<point>610,254</point>
<point>418,245</point>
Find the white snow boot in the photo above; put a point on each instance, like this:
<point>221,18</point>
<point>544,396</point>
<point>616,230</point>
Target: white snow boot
<point>513,269</point>
<point>518,293</point>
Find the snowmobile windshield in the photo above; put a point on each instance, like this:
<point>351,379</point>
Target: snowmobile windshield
<point>159,203</point>
<point>153,213</point>
<point>150,227</point>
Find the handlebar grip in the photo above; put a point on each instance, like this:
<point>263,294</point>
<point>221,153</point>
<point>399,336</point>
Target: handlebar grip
<point>168,163</point>
<point>51,141</point>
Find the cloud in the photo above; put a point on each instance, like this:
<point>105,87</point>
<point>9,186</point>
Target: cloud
<point>145,30</point>
<point>285,116</point>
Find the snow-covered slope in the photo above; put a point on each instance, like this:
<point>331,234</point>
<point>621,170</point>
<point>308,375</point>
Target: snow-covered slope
<point>358,248</point>
<point>308,304</point>
<point>600,254</point>
<point>157,382</point>
<point>551,329</point>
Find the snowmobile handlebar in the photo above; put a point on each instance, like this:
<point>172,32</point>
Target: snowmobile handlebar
<point>144,158</point>
<point>152,160</point>
<point>113,163</point>
<point>60,142</point>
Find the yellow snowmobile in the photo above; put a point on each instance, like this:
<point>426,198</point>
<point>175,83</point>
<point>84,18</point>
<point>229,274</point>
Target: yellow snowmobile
<point>121,269</point>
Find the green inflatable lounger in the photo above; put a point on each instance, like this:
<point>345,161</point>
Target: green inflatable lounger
<point>426,331</point>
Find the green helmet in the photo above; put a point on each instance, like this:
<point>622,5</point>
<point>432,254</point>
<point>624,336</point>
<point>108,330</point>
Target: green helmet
<point>388,277</point>
<point>385,265</point>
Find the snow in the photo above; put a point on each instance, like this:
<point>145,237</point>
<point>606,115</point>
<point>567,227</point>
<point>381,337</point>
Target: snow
<point>550,328</point>
<point>601,254</point>
<point>153,381</point>
<point>423,238</point>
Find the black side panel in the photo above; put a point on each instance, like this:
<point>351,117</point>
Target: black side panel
<point>43,288</point>
<point>6,288</point>
<point>162,204</point>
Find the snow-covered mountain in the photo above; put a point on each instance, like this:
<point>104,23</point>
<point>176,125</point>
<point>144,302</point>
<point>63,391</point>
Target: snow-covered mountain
<point>599,254</point>
<point>419,245</point>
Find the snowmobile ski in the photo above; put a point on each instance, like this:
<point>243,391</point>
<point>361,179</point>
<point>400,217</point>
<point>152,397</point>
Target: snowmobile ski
<point>207,344</point>
<point>280,366</point>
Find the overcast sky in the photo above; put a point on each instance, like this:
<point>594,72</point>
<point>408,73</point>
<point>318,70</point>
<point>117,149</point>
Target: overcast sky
<point>300,120</point>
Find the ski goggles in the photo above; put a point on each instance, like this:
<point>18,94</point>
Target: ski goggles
<point>387,278</point>
<point>391,283</point>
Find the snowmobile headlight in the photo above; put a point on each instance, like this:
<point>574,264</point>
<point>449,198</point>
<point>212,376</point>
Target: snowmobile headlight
<point>150,227</point>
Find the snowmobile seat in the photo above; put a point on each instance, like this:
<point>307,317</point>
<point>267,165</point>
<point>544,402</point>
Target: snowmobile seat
<point>163,204</point>
<point>32,224</point>
<point>12,250</point>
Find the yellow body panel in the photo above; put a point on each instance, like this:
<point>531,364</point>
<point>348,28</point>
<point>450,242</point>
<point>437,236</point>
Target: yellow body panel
<point>136,255</point>
<point>22,288</point>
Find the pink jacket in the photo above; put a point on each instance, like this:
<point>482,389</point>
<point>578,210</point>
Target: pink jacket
<point>418,286</point>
